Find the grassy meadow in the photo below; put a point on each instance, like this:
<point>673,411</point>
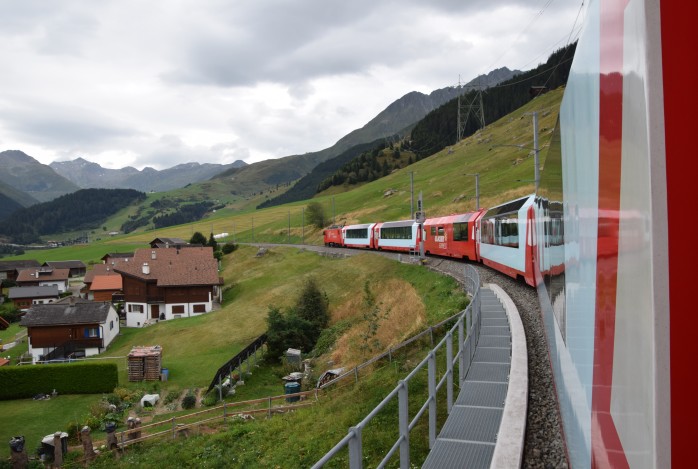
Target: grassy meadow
<point>194,348</point>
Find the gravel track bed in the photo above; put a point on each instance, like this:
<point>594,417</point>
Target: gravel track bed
<point>544,445</point>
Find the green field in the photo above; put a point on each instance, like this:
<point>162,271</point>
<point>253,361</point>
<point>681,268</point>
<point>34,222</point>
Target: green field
<point>194,348</point>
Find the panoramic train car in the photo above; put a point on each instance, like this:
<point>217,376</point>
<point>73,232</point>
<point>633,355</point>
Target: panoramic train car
<point>452,236</point>
<point>612,210</point>
<point>358,236</point>
<point>397,236</point>
<point>504,238</point>
<point>332,236</point>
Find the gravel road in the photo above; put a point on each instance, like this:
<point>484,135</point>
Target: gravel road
<point>544,446</point>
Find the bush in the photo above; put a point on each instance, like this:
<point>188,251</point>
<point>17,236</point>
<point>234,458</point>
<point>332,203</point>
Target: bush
<point>229,247</point>
<point>189,401</point>
<point>172,396</point>
<point>77,378</point>
<point>211,399</point>
<point>10,313</point>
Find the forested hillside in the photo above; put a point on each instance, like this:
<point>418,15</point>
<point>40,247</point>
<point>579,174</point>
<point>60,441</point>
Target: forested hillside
<point>307,186</point>
<point>7,206</point>
<point>438,129</point>
<point>369,166</point>
<point>81,210</point>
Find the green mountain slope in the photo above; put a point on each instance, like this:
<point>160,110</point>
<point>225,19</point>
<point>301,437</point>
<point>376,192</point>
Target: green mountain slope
<point>84,209</point>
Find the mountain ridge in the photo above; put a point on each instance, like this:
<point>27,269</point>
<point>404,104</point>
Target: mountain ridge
<point>89,175</point>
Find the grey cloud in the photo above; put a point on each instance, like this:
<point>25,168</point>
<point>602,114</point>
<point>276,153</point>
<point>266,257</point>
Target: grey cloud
<point>62,126</point>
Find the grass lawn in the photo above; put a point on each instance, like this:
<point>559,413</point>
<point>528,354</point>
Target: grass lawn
<point>36,419</point>
<point>8,336</point>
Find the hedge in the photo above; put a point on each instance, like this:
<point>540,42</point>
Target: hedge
<point>18,382</point>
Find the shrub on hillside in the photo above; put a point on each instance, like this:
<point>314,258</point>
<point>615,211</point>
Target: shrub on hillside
<point>229,247</point>
<point>189,401</point>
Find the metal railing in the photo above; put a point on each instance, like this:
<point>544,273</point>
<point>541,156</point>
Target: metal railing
<point>469,317</point>
<point>237,361</point>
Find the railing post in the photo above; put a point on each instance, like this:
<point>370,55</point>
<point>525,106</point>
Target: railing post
<point>431,336</point>
<point>355,450</point>
<point>461,351</point>
<point>270,406</point>
<point>248,364</point>
<point>432,399</point>
<point>390,355</point>
<point>220,387</point>
<point>174,428</point>
<point>404,424</point>
<point>449,372</point>
<point>224,411</point>
<point>356,374</point>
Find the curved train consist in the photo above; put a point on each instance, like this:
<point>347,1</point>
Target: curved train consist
<point>604,239</point>
<point>500,237</point>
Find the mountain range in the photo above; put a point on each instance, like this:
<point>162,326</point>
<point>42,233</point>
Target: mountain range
<point>88,175</point>
<point>25,181</point>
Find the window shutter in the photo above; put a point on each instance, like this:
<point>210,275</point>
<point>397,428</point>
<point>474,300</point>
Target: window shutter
<point>87,332</point>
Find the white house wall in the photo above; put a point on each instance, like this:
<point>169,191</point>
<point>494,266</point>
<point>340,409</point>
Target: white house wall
<point>134,319</point>
<point>110,333</point>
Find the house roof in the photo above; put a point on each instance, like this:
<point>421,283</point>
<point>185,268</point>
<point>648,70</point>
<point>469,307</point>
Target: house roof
<point>62,313</point>
<point>45,273</point>
<point>100,269</point>
<point>106,282</point>
<point>66,264</point>
<point>173,267</point>
<point>8,266</point>
<point>117,255</point>
<point>169,241</point>
<point>44,291</point>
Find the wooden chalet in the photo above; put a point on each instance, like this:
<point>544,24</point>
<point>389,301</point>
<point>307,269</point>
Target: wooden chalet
<point>104,287</point>
<point>10,269</point>
<point>114,257</point>
<point>24,297</point>
<point>97,270</point>
<point>75,268</point>
<point>44,276</point>
<point>161,284</point>
<point>71,327</point>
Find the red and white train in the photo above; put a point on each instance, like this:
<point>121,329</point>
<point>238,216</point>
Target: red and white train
<point>606,240</point>
<point>500,237</point>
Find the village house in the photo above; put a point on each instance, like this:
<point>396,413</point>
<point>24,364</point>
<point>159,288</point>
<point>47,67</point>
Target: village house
<point>70,328</point>
<point>10,269</point>
<point>161,284</point>
<point>76,268</point>
<point>44,276</point>
<point>105,287</point>
<point>97,270</point>
<point>113,257</point>
<point>178,243</point>
<point>24,297</point>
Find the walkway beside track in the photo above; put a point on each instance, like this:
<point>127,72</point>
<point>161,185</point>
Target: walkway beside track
<point>487,422</point>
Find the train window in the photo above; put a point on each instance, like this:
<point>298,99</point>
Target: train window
<point>440,230</point>
<point>358,233</point>
<point>501,231</point>
<point>460,231</point>
<point>433,231</point>
<point>398,232</point>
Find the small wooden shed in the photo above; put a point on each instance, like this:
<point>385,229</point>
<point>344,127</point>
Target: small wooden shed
<point>145,363</point>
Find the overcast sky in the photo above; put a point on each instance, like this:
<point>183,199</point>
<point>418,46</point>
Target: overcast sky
<point>158,83</point>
